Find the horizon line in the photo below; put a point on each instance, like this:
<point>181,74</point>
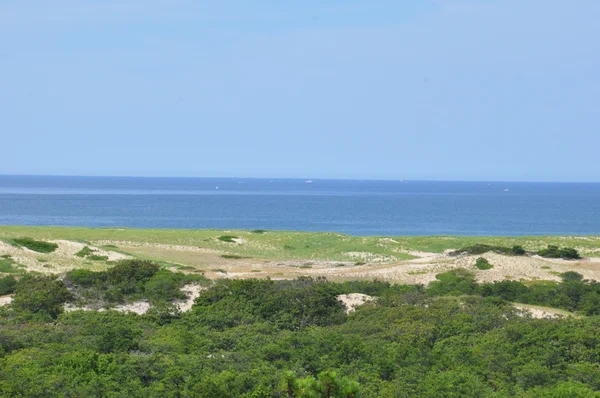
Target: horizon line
<point>298,178</point>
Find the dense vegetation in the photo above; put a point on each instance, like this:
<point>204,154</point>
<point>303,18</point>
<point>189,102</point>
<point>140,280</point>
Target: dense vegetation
<point>36,245</point>
<point>551,251</point>
<point>262,338</point>
<point>128,281</point>
<point>558,252</point>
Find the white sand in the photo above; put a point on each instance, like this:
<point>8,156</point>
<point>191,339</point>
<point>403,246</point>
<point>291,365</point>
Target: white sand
<point>353,300</point>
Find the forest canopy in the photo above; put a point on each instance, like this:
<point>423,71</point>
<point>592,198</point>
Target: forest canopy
<point>293,338</point>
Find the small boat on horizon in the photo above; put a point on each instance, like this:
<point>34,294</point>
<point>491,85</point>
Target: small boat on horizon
<point>506,190</point>
<point>308,182</point>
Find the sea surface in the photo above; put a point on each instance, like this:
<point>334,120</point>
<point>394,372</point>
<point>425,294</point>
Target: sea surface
<point>347,206</point>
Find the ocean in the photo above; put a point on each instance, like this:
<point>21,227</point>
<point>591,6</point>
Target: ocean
<point>347,206</point>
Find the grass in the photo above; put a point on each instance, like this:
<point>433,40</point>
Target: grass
<point>35,245</point>
<point>300,245</point>
<point>95,257</point>
<point>7,266</point>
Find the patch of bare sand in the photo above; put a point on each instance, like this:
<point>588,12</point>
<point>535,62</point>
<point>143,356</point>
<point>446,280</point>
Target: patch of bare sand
<point>60,260</point>
<point>538,313</point>
<point>138,307</point>
<point>192,291</point>
<point>160,246</point>
<point>369,257</point>
<point>353,300</point>
<point>68,248</point>
<point>5,300</point>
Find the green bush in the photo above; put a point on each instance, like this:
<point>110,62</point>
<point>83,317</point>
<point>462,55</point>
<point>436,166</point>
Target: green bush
<point>36,245</point>
<point>482,249</point>
<point>7,285</point>
<point>163,287</point>
<point>483,264</point>
<point>41,295</point>
<point>518,251</point>
<point>453,283</point>
<point>132,271</point>
<point>86,251</point>
<point>84,277</point>
<point>566,253</point>
<point>228,238</point>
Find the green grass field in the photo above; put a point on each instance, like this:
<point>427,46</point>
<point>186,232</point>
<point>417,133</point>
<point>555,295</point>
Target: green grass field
<point>296,245</point>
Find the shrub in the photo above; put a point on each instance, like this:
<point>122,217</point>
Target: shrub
<point>164,286</point>
<point>482,249</point>
<point>453,283</point>
<point>228,238</point>
<point>43,295</point>
<point>232,256</point>
<point>518,251</point>
<point>7,285</point>
<point>571,276</point>
<point>84,277</point>
<point>483,264</point>
<point>258,231</point>
<point>132,271</point>
<point>556,252</point>
<point>36,245</point>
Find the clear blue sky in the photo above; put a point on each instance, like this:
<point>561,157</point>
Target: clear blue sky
<point>417,89</point>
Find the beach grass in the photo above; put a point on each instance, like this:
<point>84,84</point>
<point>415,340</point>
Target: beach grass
<point>296,245</point>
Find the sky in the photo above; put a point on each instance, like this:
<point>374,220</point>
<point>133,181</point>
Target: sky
<point>383,89</point>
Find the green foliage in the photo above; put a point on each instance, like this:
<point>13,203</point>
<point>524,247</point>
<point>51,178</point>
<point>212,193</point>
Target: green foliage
<point>263,338</point>
<point>258,231</point>
<point>227,238</point>
<point>36,245</point>
<point>483,248</point>
<point>7,285</point>
<point>566,253</point>
<point>289,305</point>
<point>483,264</point>
<point>129,281</point>
<point>41,295</point>
<point>518,250</point>
<point>453,283</point>
<point>86,251</point>
<point>326,385</point>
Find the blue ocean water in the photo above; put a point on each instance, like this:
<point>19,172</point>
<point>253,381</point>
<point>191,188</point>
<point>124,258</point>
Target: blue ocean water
<point>346,206</point>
